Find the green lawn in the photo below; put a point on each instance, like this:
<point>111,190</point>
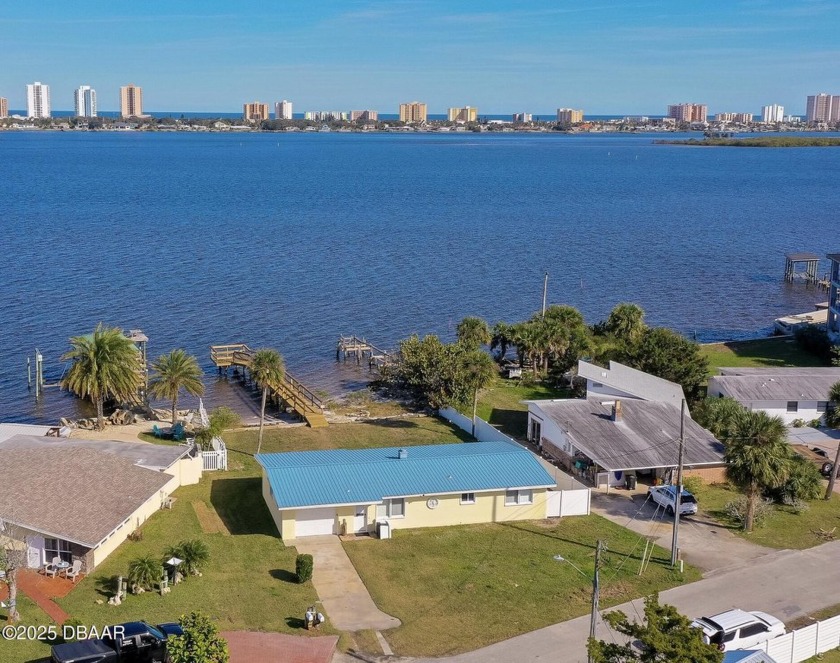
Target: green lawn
<point>500,404</point>
<point>767,352</point>
<point>23,651</point>
<point>250,581</point>
<point>784,528</point>
<point>460,588</point>
<point>832,656</point>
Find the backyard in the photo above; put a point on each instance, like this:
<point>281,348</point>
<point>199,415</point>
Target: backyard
<point>466,587</point>
<point>765,352</point>
<point>500,404</point>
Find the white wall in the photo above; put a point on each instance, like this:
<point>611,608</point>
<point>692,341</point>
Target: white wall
<point>454,417</point>
<point>803,643</point>
<point>806,410</point>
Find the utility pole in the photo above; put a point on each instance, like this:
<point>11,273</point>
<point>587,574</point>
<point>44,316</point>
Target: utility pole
<point>596,590</point>
<point>833,476</point>
<point>678,497</point>
<point>545,293</point>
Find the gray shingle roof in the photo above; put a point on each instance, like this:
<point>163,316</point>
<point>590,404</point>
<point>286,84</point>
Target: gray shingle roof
<point>76,494</point>
<point>638,383</point>
<point>150,456</point>
<point>646,437</point>
<point>776,384</point>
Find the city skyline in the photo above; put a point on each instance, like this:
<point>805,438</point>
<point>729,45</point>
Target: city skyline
<point>632,58</point>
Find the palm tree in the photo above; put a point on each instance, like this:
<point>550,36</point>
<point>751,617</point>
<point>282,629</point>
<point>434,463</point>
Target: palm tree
<point>477,370</point>
<point>832,418</point>
<point>717,415</point>
<point>626,322</point>
<point>194,555</point>
<point>268,370</point>
<point>173,373</point>
<point>757,456</point>
<point>106,364</point>
<point>473,332</point>
<point>145,571</point>
<point>501,339</point>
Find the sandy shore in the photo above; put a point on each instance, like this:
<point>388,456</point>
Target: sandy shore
<point>130,433</point>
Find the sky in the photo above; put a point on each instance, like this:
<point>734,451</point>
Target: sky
<point>607,57</point>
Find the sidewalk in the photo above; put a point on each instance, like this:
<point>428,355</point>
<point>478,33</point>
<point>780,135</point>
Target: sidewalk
<point>787,584</point>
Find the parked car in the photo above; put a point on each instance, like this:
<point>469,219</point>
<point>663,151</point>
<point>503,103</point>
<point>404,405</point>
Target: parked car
<point>738,629</point>
<point>134,642</point>
<point>666,496</point>
<point>817,456</point>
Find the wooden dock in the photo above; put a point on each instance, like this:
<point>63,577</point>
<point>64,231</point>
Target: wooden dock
<point>291,391</point>
<point>360,349</point>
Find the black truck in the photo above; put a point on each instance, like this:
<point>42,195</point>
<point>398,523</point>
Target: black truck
<point>134,642</point>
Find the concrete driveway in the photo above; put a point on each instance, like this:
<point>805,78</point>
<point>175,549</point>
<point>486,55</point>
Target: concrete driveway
<point>345,598</point>
<point>702,541</point>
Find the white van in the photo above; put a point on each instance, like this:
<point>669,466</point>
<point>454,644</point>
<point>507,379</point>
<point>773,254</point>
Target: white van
<point>666,496</point>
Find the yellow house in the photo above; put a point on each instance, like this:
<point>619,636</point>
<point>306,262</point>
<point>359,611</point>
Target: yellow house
<point>340,491</point>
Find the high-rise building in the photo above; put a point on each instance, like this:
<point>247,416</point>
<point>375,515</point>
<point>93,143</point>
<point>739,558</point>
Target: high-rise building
<point>465,114</point>
<point>131,101</point>
<point>364,115</point>
<point>325,116</point>
<point>4,107</point>
<point>523,117</point>
<point>37,100</point>
<point>823,108</point>
<point>688,112</point>
<point>773,113</point>
<point>256,111</point>
<point>413,111</point>
<point>283,110</point>
<point>85,98</point>
<point>569,116</point>
<point>739,118</point>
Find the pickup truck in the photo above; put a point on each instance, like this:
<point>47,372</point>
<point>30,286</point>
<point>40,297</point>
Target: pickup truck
<point>134,642</point>
<point>666,496</point>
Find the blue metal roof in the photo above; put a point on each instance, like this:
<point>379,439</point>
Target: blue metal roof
<point>365,476</point>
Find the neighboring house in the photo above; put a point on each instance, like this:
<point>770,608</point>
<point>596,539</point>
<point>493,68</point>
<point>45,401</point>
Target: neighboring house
<point>834,297</point>
<point>350,490</point>
<point>748,656</point>
<point>620,381</point>
<point>79,499</point>
<point>790,393</point>
<point>604,439</point>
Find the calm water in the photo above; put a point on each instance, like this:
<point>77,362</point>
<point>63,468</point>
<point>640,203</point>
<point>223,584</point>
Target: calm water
<point>291,240</point>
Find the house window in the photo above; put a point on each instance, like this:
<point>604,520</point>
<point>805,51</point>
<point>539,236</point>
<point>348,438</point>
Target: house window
<point>517,497</point>
<point>597,385</point>
<point>467,498</point>
<point>57,548</point>
<point>822,406</point>
<point>396,507</point>
<point>792,406</point>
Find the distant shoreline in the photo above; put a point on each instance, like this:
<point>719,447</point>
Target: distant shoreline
<point>764,141</point>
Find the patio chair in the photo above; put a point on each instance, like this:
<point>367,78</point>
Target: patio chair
<point>157,432</point>
<point>73,572</point>
<point>50,569</point>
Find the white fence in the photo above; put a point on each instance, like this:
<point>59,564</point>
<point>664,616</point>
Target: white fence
<point>803,643</point>
<point>215,458</point>
<point>571,498</point>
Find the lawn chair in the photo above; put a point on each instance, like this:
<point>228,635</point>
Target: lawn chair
<point>50,568</point>
<point>73,572</point>
<point>178,432</point>
<point>157,432</point>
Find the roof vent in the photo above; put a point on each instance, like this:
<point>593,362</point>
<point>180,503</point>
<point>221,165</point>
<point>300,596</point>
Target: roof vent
<point>402,454</point>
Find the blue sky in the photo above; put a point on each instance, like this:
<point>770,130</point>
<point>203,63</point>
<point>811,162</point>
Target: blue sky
<point>604,56</point>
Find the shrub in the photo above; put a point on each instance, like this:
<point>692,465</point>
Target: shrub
<point>303,567</point>
<point>798,423</point>
<point>815,340</point>
<point>194,554</point>
<point>803,483</point>
<point>736,510</point>
<point>201,641</point>
<point>144,572</point>
<point>693,484</point>
<point>815,423</point>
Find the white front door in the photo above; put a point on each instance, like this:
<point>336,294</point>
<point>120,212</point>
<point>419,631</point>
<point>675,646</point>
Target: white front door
<point>314,522</point>
<point>360,520</point>
<point>35,552</point>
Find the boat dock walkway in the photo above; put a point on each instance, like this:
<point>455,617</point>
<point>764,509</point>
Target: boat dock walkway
<point>291,391</point>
